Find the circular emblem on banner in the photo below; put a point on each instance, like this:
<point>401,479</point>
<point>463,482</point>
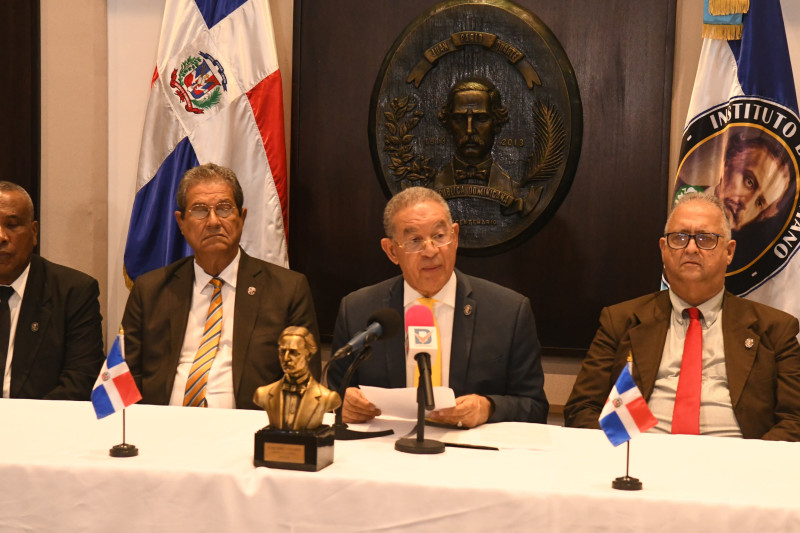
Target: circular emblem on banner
<point>477,100</point>
<point>745,152</point>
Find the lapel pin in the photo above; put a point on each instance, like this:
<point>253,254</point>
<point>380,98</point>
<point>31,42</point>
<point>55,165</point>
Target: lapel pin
<point>251,290</point>
<point>35,327</point>
<point>749,343</point>
<point>467,310</point>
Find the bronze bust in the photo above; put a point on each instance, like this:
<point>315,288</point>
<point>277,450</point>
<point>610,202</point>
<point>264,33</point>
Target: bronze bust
<point>297,401</point>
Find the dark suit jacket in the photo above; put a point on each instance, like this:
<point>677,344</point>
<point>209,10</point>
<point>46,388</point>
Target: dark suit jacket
<point>158,310</point>
<point>58,346</point>
<point>764,380</point>
<point>316,401</point>
<point>495,351</point>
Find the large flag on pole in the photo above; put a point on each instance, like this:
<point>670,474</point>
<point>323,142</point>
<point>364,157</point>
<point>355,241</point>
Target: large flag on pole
<point>742,143</point>
<point>215,97</point>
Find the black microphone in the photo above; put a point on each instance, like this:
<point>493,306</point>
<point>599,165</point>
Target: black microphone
<point>382,324</point>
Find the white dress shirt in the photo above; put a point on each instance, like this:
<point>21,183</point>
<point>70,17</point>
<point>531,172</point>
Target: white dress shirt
<point>219,389</point>
<point>14,304</point>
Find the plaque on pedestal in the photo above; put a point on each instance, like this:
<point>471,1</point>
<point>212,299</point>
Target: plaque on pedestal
<point>295,404</point>
<point>309,449</point>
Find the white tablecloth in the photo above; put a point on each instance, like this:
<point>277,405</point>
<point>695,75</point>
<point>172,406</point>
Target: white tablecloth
<point>195,473</point>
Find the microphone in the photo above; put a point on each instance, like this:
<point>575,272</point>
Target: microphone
<point>382,324</point>
<point>421,342</point>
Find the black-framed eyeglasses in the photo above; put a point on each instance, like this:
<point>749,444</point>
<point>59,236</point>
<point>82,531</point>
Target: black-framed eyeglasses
<point>679,240</point>
<point>201,211</point>
<point>417,244</point>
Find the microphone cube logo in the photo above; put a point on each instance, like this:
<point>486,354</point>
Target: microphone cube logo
<point>423,336</point>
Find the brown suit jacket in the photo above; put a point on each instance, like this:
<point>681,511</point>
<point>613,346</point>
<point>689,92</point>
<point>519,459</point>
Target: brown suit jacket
<point>158,310</point>
<point>764,380</point>
<point>316,401</point>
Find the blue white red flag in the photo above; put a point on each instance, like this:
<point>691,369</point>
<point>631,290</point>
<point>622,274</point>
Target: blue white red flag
<point>115,388</point>
<point>741,143</point>
<point>625,413</point>
<point>216,96</point>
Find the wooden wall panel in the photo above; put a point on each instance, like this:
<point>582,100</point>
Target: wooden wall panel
<point>599,248</point>
<point>20,135</point>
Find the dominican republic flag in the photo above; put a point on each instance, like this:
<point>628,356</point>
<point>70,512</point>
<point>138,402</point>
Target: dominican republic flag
<point>114,388</point>
<point>625,413</point>
<point>741,143</point>
<point>215,97</point>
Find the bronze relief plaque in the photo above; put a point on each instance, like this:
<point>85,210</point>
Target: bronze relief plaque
<point>477,100</point>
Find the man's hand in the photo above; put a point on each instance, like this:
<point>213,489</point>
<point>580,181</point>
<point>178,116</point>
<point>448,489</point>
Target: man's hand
<point>470,410</point>
<point>356,408</point>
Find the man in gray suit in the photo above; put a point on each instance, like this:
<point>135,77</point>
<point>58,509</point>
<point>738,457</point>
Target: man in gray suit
<point>747,369</point>
<point>490,354</point>
<point>204,330</point>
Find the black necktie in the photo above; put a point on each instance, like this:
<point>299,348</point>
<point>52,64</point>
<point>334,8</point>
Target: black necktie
<point>5,329</point>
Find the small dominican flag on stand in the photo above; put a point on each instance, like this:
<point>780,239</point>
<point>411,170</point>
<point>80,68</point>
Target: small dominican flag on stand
<point>114,388</point>
<point>625,413</point>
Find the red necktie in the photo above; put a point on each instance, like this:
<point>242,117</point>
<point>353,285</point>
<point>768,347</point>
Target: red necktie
<point>686,413</point>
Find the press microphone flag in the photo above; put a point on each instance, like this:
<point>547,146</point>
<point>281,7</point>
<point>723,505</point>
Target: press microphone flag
<point>382,324</point>
<point>422,343</point>
<point>421,332</point>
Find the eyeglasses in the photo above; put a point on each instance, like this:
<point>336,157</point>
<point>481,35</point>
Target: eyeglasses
<point>704,241</point>
<point>201,211</point>
<point>417,244</point>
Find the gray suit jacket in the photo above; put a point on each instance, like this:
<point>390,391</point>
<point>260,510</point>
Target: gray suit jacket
<point>764,380</point>
<point>58,345</point>
<point>158,310</point>
<point>495,351</point>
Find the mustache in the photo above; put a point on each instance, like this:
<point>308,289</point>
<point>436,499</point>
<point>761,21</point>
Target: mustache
<point>471,139</point>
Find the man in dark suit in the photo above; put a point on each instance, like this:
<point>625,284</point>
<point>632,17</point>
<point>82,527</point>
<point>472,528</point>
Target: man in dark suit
<point>51,346</point>
<point>749,361</point>
<point>204,330</point>
<point>490,352</point>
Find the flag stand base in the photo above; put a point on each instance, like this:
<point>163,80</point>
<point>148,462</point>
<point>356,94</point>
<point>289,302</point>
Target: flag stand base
<point>626,483</point>
<point>123,450</point>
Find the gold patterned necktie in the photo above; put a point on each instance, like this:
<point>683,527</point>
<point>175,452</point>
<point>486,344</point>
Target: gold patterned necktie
<point>436,364</point>
<point>195,395</point>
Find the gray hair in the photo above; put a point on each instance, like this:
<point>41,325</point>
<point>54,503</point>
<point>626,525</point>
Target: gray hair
<point>7,186</point>
<point>300,331</point>
<point>407,198</point>
<point>209,173</point>
<point>708,199</point>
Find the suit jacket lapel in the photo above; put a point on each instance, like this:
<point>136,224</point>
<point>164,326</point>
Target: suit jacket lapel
<point>32,324</point>
<point>737,330</point>
<point>463,326</point>
<point>647,340</point>
<point>180,303</point>
<point>395,348</point>
<point>245,312</point>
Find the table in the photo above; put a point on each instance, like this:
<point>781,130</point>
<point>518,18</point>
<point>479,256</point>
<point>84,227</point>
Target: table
<point>195,473</point>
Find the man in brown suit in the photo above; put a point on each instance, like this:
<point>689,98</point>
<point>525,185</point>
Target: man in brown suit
<point>750,354</point>
<point>167,311</point>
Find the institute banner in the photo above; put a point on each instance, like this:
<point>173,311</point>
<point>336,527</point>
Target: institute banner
<point>742,144</point>
<point>216,97</point>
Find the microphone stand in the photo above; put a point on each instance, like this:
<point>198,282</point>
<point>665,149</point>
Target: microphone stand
<point>341,432</point>
<point>425,401</point>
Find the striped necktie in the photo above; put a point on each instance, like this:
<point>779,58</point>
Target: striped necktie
<point>436,363</point>
<point>195,395</point>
